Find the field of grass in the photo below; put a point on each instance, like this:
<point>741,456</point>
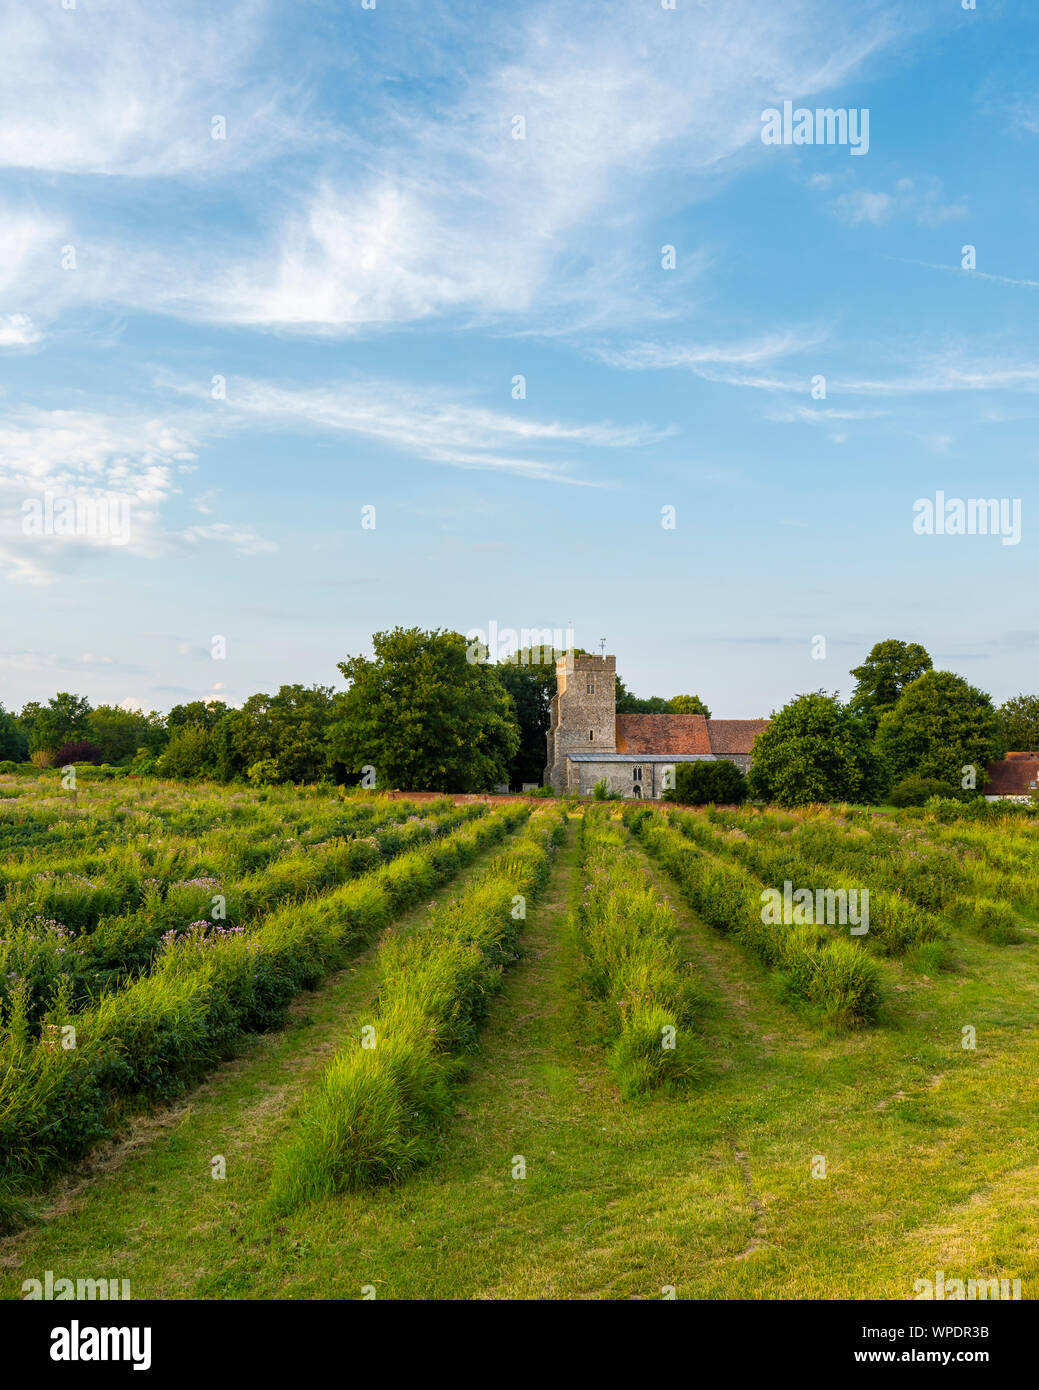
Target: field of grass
<point>435,1075</point>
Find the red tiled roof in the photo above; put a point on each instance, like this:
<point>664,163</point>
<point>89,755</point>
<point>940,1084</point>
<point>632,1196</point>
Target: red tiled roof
<point>734,735</point>
<point>1013,776</point>
<point>662,733</point>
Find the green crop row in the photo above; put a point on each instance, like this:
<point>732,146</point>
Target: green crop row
<point>42,951</point>
<point>833,975</point>
<point>896,924</point>
<point>154,1038</point>
<point>630,963</point>
<point>375,1113</point>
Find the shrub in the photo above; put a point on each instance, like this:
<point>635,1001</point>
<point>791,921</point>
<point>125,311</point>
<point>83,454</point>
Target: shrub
<point>915,790</point>
<point>630,963</point>
<point>77,751</point>
<point>698,783</point>
<point>373,1115</point>
<point>601,791</point>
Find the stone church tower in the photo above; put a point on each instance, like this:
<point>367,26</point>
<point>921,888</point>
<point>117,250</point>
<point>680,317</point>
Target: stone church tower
<point>634,754</point>
<point>583,712</point>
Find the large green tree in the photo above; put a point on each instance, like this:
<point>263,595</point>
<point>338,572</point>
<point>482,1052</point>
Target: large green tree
<point>688,704</point>
<point>119,733</point>
<point>940,725</point>
<point>880,680</point>
<point>531,685</point>
<point>423,716</point>
<point>288,730</point>
<point>1019,721</point>
<point>815,749</point>
<point>14,746</point>
<point>203,714</point>
<point>64,719</point>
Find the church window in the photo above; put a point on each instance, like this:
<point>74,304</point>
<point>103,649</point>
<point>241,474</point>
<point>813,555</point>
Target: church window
<point>591,734</point>
<point>590,686</point>
<point>636,774</point>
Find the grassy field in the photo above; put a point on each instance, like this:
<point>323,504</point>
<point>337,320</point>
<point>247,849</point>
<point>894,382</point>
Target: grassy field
<point>805,1155</point>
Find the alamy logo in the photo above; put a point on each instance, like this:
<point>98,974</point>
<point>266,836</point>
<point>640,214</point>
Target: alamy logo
<point>539,645</point>
<point>821,906</point>
<point>975,516</point>
<point>823,126</point>
<point>990,1289</point>
<point>103,518</point>
<point>49,1288</point>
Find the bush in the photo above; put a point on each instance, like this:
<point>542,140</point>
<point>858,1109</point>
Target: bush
<point>602,792</point>
<point>374,1114</point>
<point>77,751</point>
<point>7,766</point>
<point>630,963</point>
<point>697,784</point>
<point>915,790</point>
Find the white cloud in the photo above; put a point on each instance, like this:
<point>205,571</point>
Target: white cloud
<point>425,423</point>
<point>241,539</point>
<point>129,87</point>
<point>702,358</point>
<point>18,330</point>
<point>462,218</point>
<point>923,201</point>
<point>106,478</point>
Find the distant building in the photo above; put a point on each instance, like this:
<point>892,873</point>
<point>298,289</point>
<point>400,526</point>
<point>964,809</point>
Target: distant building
<point>1013,778</point>
<point>588,741</point>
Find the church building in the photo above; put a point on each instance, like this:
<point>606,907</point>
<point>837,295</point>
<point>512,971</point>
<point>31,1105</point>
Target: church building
<point>589,741</point>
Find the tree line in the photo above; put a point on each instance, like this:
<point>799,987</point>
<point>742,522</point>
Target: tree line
<point>420,715</point>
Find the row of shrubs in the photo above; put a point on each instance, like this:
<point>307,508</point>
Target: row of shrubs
<point>132,881</point>
<point>911,881</point>
<point>896,924</point>
<point>833,975</point>
<point>377,1109</point>
<point>166,1029</point>
<point>43,954</point>
<point>624,931</point>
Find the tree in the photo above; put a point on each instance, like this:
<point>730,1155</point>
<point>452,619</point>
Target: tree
<point>14,746</point>
<point>940,726</point>
<point>699,783</point>
<point>188,754</point>
<point>531,686</point>
<point>119,732</point>
<point>287,732</point>
<point>1019,721</point>
<point>423,716</point>
<point>815,749</point>
<point>202,714</point>
<point>688,704</point>
<point>880,680</point>
<point>64,719</point>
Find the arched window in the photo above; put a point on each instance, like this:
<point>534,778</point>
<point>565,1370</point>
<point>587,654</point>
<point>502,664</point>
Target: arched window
<point>590,686</point>
<point>636,774</point>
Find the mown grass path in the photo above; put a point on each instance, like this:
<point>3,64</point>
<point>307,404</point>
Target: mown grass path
<point>930,1152</point>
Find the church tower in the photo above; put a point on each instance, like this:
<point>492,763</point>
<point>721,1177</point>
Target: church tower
<point>583,712</point>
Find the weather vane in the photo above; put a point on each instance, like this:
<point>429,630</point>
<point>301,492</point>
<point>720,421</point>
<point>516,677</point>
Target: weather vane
<point>602,645</point>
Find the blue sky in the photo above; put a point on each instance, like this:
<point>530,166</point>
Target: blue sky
<point>369,258</point>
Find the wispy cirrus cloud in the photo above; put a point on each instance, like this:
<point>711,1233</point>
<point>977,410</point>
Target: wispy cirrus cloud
<point>131,89</point>
<point>421,422</point>
<point>81,478</point>
<point>923,201</point>
<point>461,218</point>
